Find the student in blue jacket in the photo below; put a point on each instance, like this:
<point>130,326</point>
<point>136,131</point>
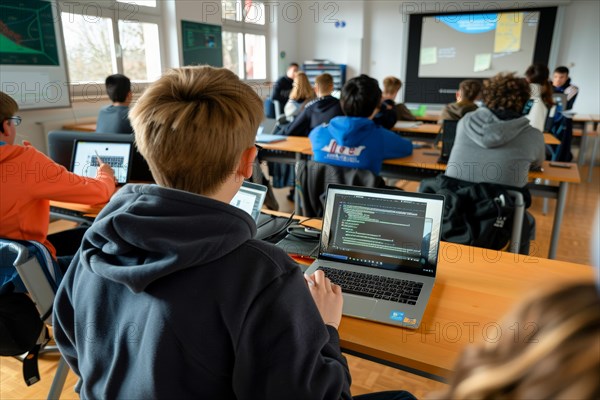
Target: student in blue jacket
<point>354,140</point>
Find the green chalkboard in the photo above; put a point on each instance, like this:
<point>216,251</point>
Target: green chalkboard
<point>202,44</point>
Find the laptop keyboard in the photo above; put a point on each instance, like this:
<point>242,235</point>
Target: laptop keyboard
<point>375,286</point>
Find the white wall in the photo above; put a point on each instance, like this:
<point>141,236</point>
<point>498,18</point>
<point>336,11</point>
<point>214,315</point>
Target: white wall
<point>580,52</point>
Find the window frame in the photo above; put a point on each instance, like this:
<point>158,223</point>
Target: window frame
<point>116,11</point>
<point>236,27</point>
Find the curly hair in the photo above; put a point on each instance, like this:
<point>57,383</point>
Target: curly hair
<point>550,351</point>
<point>505,91</point>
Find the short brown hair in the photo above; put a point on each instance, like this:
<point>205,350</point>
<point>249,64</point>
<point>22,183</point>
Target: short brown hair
<point>470,89</point>
<point>302,89</point>
<point>505,91</point>
<point>192,126</point>
<point>8,107</point>
<point>391,84</point>
<point>324,81</point>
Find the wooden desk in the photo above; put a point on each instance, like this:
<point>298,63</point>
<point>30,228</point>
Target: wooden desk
<point>89,127</point>
<point>593,119</point>
<point>430,118</point>
<point>474,289</point>
<point>423,130</point>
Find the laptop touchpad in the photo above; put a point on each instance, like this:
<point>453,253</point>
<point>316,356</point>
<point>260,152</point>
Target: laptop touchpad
<point>358,306</point>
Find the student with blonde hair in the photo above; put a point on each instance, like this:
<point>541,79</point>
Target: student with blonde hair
<point>391,87</point>
<point>549,349</point>
<point>170,295</point>
<point>301,94</point>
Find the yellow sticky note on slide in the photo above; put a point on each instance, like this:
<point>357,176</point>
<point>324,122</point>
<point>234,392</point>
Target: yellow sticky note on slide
<point>483,62</point>
<point>508,32</point>
<point>428,55</point>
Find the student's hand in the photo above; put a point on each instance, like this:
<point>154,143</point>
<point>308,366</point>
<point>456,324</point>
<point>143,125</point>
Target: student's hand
<point>105,170</point>
<point>27,143</point>
<point>327,296</point>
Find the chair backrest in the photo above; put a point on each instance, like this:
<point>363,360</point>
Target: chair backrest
<point>61,142</point>
<point>312,179</point>
<point>278,112</point>
<point>448,135</point>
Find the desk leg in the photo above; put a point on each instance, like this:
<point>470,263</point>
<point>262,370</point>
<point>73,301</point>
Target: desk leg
<point>594,154</point>
<point>582,146</point>
<point>558,216</point>
<point>296,191</point>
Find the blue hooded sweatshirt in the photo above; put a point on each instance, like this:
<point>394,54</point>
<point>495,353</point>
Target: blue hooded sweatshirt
<point>170,297</point>
<point>356,142</point>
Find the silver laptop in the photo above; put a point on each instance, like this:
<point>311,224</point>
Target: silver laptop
<point>250,198</point>
<point>381,246</point>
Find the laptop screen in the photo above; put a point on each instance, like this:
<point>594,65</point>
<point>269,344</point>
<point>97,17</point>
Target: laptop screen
<point>116,154</point>
<point>380,228</point>
<point>250,198</point>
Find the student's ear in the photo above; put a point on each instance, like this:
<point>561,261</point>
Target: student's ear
<point>246,165</point>
<point>458,96</point>
<point>129,97</point>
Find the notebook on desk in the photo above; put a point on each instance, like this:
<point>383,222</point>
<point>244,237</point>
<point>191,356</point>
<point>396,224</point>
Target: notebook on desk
<point>382,247</point>
<point>116,154</point>
<point>265,138</point>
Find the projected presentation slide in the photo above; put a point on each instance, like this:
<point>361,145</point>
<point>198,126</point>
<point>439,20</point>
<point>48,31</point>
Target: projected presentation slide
<point>117,155</point>
<point>477,45</point>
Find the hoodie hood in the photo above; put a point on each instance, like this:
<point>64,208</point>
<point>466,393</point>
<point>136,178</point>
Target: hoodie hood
<point>350,131</point>
<point>487,130</point>
<point>147,232</point>
<point>324,104</point>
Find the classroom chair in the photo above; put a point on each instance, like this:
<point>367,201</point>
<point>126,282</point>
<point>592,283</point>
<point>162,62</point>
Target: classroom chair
<point>312,179</point>
<point>35,273</point>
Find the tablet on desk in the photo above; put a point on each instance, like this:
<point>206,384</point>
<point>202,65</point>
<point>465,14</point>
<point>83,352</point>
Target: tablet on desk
<point>262,138</point>
<point>116,154</point>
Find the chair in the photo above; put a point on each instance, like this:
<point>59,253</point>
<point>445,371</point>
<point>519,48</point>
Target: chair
<point>480,214</point>
<point>312,179</point>
<point>278,112</point>
<point>36,273</point>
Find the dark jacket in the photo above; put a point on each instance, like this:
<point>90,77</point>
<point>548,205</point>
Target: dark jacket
<point>570,90</point>
<point>474,215</point>
<point>455,111</point>
<point>403,113</point>
<point>282,90</point>
<point>386,118</point>
<point>170,297</point>
<point>317,112</point>
<point>114,119</point>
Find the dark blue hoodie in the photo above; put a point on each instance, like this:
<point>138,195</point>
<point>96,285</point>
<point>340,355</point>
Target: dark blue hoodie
<point>356,142</point>
<point>170,297</point>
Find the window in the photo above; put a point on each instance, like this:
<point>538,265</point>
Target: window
<point>245,38</point>
<point>104,38</point>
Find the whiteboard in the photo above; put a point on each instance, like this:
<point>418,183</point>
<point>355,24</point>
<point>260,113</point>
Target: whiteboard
<point>33,68</point>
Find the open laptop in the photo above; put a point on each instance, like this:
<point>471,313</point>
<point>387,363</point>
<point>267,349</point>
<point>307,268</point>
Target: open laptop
<point>381,246</point>
<point>116,154</point>
<point>448,135</point>
<point>250,198</point>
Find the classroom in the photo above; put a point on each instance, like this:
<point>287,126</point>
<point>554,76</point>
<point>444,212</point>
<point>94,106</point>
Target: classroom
<point>58,84</point>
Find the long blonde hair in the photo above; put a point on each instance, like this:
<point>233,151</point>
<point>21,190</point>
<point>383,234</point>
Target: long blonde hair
<point>549,348</point>
<point>302,90</point>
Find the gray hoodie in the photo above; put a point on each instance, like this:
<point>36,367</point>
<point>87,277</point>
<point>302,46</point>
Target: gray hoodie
<point>170,297</point>
<point>488,149</point>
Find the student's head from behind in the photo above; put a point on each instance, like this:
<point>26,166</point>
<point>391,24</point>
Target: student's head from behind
<point>391,87</point>
<point>196,127</point>
<point>8,119</point>
<point>360,96</point>
<point>505,92</point>
<point>292,70</point>
<point>548,348</point>
<point>469,90</point>
<point>324,84</point>
<point>560,76</point>
<point>302,89</point>
<point>118,88</point>
<point>537,73</point>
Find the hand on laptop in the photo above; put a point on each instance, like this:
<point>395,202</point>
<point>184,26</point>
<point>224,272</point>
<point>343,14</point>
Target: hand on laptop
<point>106,170</point>
<point>327,296</point>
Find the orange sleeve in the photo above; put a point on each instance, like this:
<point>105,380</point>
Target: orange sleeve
<point>54,182</point>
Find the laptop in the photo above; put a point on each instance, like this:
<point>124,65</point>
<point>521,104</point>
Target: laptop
<point>381,246</point>
<point>448,136</point>
<point>250,198</point>
<point>84,161</point>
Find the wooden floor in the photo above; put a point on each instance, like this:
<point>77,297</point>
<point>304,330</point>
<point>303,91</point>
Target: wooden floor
<point>575,245</point>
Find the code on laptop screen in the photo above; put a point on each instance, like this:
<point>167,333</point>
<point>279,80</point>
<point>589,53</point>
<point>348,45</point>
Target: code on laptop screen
<point>384,231</point>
